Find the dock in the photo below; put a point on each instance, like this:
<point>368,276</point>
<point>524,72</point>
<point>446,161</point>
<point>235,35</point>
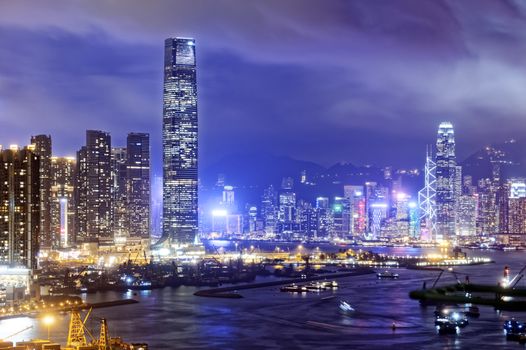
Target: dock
<point>225,292</point>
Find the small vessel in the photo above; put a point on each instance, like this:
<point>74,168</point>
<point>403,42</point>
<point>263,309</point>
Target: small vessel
<point>330,284</point>
<point>387,275</point>
<point>455,318</point>
<point>345,307</point>
<point>445,310</point>
<point>446,326</point>
<point>294,288</point>
<point>315,287</point>
<point>514,330</point>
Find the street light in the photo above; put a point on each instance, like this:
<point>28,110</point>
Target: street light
<point>48,320</point>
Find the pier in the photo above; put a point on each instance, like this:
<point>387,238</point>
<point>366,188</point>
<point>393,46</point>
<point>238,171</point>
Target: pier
<point>224,292</point>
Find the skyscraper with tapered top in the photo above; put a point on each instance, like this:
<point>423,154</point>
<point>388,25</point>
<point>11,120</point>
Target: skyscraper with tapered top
<point>180,220</point>
<point>446,179</point>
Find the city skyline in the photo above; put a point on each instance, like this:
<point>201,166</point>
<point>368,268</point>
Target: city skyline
<point>350,101</point>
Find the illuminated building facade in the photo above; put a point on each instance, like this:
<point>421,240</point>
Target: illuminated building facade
<point>19,207</point>
<point>466,218</point>
<point>356,197</point>
<point>63,174</point>
<point>446,181</point>
<point>517,216</point>
<point>119,191</point>
<point>138,184</point>
<point>94,188</point>
<point>180,205</point>
<point>43,148</point>
<point>269,209</point>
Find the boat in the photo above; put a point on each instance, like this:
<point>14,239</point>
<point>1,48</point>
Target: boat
<point>330,284</point>
<point>445,326</point>
<point>387,275</point>
<point>445,310</point>
<point>315,287</point>
<point>294,288</point>
<point>514,329</point>
<point>455,318</point>
<point>346,308</point>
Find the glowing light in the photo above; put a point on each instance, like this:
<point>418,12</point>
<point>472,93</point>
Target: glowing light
<point>48,320</point>
<point>219,212</point>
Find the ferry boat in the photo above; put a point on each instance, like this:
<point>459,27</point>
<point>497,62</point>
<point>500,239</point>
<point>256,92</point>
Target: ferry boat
<point>330,284</point>
<point>468,310</point>
<point>293,288</point>
<point>445,326</point>
<point>456,318</point>
<point>387,275</point>
<point>315,287</point>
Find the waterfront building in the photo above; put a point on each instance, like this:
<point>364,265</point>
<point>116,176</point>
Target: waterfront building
<point>94,188</point>
<point>487,218</point>
<point>356,197</point>
<point>63,174</point>
<point>378,214</point>
<point>466,217</point>
<point>180,146</point>
<point>323,217</point>
<point>427,201</point>
<point>446,181</point>
<point>138,190</point>
<point>119,192</point>
<point>341,215</point>
<point>517,216</point>
<point>43,149</point>
<point>517,206</point>
<point>269,210</point>
<point>19,206</point>
<point>287,209</point>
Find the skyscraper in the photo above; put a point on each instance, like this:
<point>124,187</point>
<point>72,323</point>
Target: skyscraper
<point>180,216</point>
<point>119,191</point>
<point>19,207</point>
<point>94,209</point>
<point>138,184</point>
<point>43,150</point>
<point>446,181</point>
<point>63,174</point>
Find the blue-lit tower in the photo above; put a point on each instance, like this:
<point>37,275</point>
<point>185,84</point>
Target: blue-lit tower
<point>180,215</point>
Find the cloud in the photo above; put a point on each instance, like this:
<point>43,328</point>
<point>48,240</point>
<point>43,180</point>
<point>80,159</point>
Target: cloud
<point>319,80</point>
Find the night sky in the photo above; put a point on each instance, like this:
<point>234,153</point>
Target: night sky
<point>326,81</point>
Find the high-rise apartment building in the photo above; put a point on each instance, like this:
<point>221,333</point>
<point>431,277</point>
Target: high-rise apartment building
<point>19,206</point>
<point>63,175</point>
<point>94,188</point>
<point>43,149</point>
<point>119,191</point>
<point>180,210</point>
<point>138,184</point>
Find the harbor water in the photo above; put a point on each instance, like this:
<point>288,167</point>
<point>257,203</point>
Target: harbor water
<point>173,318</point>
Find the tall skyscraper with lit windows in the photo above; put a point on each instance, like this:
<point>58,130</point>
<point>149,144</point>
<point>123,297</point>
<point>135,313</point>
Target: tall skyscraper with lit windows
<point>94,188</point>
<point>19,206</point>
<point>42,145</point>
<point>446,181</point>
<point>63,175</point>
<point>138,184</point>
<point>180,215</point>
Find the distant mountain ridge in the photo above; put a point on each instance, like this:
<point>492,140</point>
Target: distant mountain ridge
<point>510,155</point>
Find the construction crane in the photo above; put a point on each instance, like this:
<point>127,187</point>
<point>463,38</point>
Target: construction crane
<point>104,339</point>
<point>77,329</point>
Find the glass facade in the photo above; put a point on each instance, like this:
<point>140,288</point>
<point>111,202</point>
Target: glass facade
<point>180,218</point>
<point>446,167</point>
